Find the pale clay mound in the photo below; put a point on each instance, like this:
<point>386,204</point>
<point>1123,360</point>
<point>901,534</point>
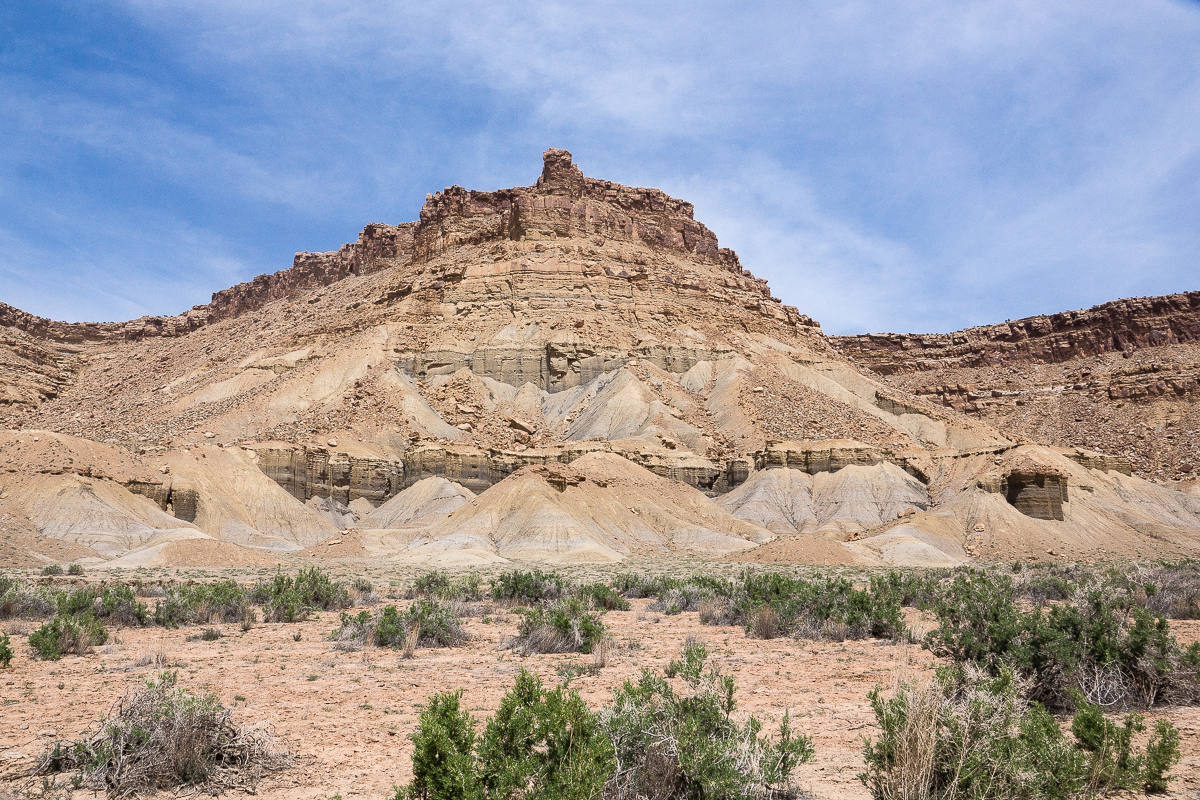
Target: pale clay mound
<point>572,322</point>
<point>600,508</point>
<point>421,504</point>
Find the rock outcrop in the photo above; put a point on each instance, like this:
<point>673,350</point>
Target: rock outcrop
<point>576,370</point>
<point>1123,377</point>
<point>307,472</point>
<point>1119,326</point>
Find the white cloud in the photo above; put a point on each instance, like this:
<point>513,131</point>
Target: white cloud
<point>901,166</point>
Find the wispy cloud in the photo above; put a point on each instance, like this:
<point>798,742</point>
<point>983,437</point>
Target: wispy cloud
<point>888,166</point>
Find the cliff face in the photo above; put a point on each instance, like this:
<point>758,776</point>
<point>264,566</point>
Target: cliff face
<point>1117,327</point>
<point>1123,377</point>
<point>565,204</point>
<point>379,246</point>
<point>578,340</point>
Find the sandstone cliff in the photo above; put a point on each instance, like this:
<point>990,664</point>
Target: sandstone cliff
<point>471,377</point>
<point>1123,377</point>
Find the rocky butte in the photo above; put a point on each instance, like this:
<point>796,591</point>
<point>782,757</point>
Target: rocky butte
<point>577,371</point>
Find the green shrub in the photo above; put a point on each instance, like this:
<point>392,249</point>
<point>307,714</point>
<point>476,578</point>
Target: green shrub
<point>601,595</point>
<point>6,652</point>
<point>467,587</point>
<point>436,624</point>
<point>431,584</point>
<point>1049,587</point>
<point>75,569</point>
<point>670,745</point>
<point>201,604</point>
<point>443,758</point>
<point>390,630</point>
<point>433,623</point>
<point>971,735</point>
<point>439,585</point>
<point>683,597</point>
<point>821,608</point>
<point>648,743</point>
<point>527,588</point>
<point>567,625</point>
<point>286,599</point>
<point>356,630</point>
<point>908,589</point>
<point>1114,653</point>
<point>62,635</point>
<point>1162,753</point>
<point>52,569</point>
<point>119,605</point>
<point>634,586</point>
<point>75,601</point>
<point>543,745</point>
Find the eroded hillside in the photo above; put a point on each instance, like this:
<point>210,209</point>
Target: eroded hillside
<point>569,371</point>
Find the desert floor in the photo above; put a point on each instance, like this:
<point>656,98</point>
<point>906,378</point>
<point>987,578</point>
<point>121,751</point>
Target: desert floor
<point>346,716</point>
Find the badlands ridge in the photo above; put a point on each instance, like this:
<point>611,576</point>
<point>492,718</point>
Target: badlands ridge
<point>576,371</point>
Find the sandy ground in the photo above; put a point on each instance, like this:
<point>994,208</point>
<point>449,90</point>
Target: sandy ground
<point>347,716</point>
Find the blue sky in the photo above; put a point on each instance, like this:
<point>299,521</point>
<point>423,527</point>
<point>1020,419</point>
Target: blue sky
<point>917,166</point>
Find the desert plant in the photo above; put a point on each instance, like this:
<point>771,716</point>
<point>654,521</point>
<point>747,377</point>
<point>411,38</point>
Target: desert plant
<point>1110,651</point>
<point>674,746</point>
<point>971,735</point>
<point>160,736</point>
<point>390,630</point>
<point>649,743</point>
<point>1170,589</point>
<point>821,608</point>
<point>201,604</point>
<point>518,587</point>
<point>286,599</point>
<point>601,595</point>
<point>684,597</point>
<point>467,588</point>
<point>543,745</point>
<point>764,624</point>
<point>431,584</point>
<point>52,569</point>
<point>119,604</point>
<point>426,622</point>
<point>356,630</point>
<point>567,625</point>
<point>6,652</point>
<point>436,624</point>
<point>72,634</point>
<point>443,756</point>
<point>75,601</point>
<point>25,600</point>
<point>75,569</point>
<point>1162,753</point>
<point>631,585</point>
<point>908,589</point>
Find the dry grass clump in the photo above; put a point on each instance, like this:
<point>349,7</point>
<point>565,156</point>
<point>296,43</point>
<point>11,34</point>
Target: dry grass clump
<point>159,657</point>
<point>717,612</point>
<point>1172,590</point>
<point>764,624</point>
<point>160,736</point>
<point>969,735</point>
